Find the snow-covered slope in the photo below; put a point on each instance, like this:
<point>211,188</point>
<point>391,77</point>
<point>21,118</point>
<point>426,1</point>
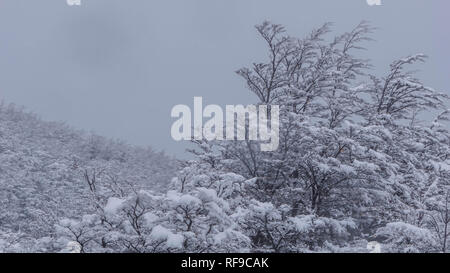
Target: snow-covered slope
<point>45,168</point>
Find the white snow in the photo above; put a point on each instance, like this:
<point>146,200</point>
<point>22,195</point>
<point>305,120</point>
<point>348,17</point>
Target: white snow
<point>161,233</point>
<point>113,205</point>
<point>150,218</point>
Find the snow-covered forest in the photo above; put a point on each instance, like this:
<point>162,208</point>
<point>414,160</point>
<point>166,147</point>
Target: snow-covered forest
<point>359,161</point>
<point>44,172</point>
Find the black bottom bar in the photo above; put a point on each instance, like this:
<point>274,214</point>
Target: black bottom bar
<point>129,263</point>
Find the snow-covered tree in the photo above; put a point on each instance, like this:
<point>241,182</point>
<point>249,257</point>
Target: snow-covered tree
<point>354,155</point>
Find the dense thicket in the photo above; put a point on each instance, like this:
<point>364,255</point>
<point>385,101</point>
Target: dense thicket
<point>43,171</point>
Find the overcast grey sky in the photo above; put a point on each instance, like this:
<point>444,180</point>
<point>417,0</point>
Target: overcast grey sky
<point>117,67</point>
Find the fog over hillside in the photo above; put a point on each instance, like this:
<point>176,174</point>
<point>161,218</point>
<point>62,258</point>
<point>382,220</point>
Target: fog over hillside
<point>44,169</point>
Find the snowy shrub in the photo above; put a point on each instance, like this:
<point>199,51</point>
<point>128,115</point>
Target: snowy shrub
<point>403,237</point>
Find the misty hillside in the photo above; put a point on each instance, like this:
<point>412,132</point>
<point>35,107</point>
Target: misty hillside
<point>45,168</point>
